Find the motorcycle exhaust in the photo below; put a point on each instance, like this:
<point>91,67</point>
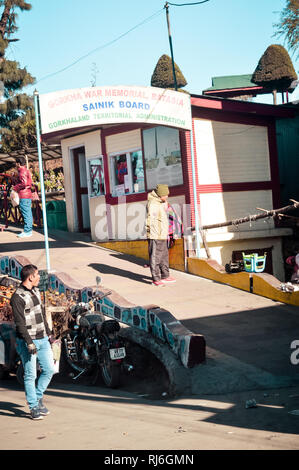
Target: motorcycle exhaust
<point>128,367</point>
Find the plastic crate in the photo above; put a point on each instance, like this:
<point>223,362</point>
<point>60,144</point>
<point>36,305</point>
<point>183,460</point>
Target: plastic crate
<point>254,263</point>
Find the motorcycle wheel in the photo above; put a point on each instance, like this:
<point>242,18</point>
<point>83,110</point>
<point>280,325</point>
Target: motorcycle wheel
<point>20,374</point>
<point>3,373</point>
<point>65,365</point>
<point>110,371</point>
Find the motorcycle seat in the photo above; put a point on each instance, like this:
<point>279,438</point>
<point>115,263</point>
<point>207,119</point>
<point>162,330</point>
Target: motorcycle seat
<point>108,327</point>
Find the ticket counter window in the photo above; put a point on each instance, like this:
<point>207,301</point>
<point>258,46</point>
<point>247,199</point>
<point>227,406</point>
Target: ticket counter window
<point>127,174</point>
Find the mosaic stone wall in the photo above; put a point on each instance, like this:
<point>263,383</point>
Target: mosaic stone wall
<point>158,322</point>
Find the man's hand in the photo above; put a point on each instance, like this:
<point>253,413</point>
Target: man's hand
<point>31,348</point>
<point>51,339</point>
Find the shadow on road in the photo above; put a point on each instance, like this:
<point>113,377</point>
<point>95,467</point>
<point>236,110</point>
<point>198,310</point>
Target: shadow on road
<point>106,269</point>
<point>271,413</point>
<point>11,409</point>
<point>260,337</point>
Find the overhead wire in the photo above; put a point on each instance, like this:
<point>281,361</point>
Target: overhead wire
<point>103,46</point>
<point>184,4</point>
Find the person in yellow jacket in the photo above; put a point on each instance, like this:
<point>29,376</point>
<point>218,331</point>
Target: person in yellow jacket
<point>157,233</point>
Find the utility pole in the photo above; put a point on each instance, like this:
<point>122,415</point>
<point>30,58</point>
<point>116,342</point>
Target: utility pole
<point>170,44</point>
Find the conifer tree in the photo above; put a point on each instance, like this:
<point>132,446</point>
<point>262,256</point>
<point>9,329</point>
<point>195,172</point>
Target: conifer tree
<point>288,25</point>
<point>163,75</point>
<point>275,70</point>
<point>16,108</point>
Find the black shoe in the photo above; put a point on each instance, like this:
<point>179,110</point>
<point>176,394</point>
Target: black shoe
<point>35,413</point>
<point>42,409</point>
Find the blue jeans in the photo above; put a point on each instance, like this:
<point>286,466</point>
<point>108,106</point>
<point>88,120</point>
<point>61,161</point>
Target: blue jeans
<point>25,208</point>
<point>34,392</point>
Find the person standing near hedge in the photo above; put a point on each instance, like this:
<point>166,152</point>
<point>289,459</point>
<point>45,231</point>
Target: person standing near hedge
<point>157,234</point>
<point>23,188</point>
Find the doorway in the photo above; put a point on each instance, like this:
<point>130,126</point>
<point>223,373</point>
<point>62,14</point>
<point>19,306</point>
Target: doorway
<point>81,189</point>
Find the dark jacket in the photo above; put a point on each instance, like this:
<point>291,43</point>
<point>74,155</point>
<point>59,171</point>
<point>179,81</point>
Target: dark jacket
<point>28,314</point>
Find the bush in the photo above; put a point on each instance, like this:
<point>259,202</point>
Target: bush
<point>163,75</point>
<point>275,69</point>
<point>53,181</point>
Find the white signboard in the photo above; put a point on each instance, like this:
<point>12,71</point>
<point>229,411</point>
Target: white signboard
<point>68,109</point>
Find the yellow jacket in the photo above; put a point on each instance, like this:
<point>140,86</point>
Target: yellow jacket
<point>156,219</point>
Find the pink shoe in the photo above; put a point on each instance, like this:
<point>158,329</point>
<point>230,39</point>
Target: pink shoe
<point>168,280</point>
<point>158,283</point>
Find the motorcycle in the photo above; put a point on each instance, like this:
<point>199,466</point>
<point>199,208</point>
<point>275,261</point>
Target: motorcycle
<point>10,361</point>
<point>92,344</point>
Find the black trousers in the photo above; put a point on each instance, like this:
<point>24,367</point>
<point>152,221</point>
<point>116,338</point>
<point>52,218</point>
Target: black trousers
<point>158,259</point>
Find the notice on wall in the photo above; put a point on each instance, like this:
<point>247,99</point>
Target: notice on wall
<point>119,190</point>
<point>68,109</point>
<point>127,182</point>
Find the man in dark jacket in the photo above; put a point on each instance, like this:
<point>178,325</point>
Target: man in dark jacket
<point>23,188</point>
<point>32,333</point>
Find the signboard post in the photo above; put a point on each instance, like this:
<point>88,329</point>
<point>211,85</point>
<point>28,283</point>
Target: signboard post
<point>41,177</point>
<point>44,280</point>
<point>43,284</point>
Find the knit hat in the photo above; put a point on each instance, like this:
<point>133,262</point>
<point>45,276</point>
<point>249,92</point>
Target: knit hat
<point>162,190</point>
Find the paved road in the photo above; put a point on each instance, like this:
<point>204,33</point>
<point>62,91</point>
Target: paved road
<point>96,418</point>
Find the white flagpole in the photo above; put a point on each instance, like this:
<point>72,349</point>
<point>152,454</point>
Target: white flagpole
<point>41,176</point>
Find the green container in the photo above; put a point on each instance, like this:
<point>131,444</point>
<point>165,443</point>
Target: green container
<point>56,215</point>
<point>254,263</point>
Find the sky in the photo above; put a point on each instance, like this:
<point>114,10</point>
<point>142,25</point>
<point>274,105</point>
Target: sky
<point>120,42</point>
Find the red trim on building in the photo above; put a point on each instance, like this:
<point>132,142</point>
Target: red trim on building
<point>186,161</point>
<point>187,165</point>
<point>238,106</point>
<point>222,116</point>
<point>274,168</point>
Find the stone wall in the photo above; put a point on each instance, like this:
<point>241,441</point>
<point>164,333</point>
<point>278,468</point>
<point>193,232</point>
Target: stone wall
<point>159,323</point>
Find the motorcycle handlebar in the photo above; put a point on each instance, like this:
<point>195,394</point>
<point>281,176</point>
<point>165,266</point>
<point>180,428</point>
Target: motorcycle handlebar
<point>77,309</point>
<point>100,297</point>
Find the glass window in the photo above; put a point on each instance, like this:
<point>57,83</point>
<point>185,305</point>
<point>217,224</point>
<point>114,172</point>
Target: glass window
<point>162,153</point>
<point>96,177</point>
<point>137,172</point>
<point>127,174</point>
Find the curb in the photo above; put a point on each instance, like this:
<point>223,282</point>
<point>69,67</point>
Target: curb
<point>179,376</point>
<point>262,284</point>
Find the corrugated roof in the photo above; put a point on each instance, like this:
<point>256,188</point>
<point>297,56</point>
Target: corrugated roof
<point>49,152</point>
<point>231,81</point>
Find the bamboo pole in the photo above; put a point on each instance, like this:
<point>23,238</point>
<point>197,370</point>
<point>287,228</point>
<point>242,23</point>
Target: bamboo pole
<point>252,218</point>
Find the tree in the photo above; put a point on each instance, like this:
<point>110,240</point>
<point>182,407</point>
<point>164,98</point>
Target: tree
<point>288,25</point>
<point>16,108</point>
<point>163,75</point>
<point>275,70</point>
